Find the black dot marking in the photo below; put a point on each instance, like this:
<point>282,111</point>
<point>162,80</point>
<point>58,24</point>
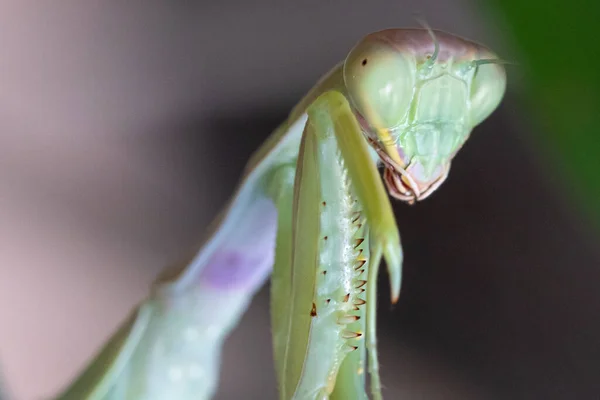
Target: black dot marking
<point>324,203</point>
<point>364,62</point>
<point>325,238</point>
<point>313,312</point>
<point>324,272</point>
<point>327,301</point>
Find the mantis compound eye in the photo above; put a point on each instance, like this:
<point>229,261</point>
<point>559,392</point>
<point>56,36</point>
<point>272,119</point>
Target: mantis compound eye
<point>380,81</point>
<point>487,89</point>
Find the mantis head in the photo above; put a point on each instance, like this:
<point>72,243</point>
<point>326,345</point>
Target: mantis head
<point>418,94</point>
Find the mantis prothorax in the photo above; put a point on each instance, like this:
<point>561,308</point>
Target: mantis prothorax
<point>313,208</point>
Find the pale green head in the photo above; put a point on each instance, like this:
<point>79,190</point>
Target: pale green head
<point>418,94</point>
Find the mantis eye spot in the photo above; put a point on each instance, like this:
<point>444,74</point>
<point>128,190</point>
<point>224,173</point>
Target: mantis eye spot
<point>381,93</point>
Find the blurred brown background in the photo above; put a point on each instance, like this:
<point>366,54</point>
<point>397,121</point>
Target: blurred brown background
<point>124,128</point>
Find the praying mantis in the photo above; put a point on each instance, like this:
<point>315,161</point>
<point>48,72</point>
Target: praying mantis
<point>313,209</point>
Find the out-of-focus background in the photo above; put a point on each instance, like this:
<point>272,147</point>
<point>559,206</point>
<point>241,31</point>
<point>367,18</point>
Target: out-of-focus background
<point>124,129</point>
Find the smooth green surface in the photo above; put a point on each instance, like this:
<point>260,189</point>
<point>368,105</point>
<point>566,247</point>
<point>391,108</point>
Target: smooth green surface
<point>305,239</point>
<point>281,279</point>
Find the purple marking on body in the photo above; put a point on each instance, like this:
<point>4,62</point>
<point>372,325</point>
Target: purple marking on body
<point>246,256</point>
<point>236,270</point>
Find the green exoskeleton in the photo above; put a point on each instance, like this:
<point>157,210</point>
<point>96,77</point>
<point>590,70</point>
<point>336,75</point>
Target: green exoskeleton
<point>313,209</point>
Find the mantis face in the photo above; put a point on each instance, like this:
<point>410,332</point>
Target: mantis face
<point>418,94</point>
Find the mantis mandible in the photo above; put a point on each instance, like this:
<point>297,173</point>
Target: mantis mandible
<point>313,209</point>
